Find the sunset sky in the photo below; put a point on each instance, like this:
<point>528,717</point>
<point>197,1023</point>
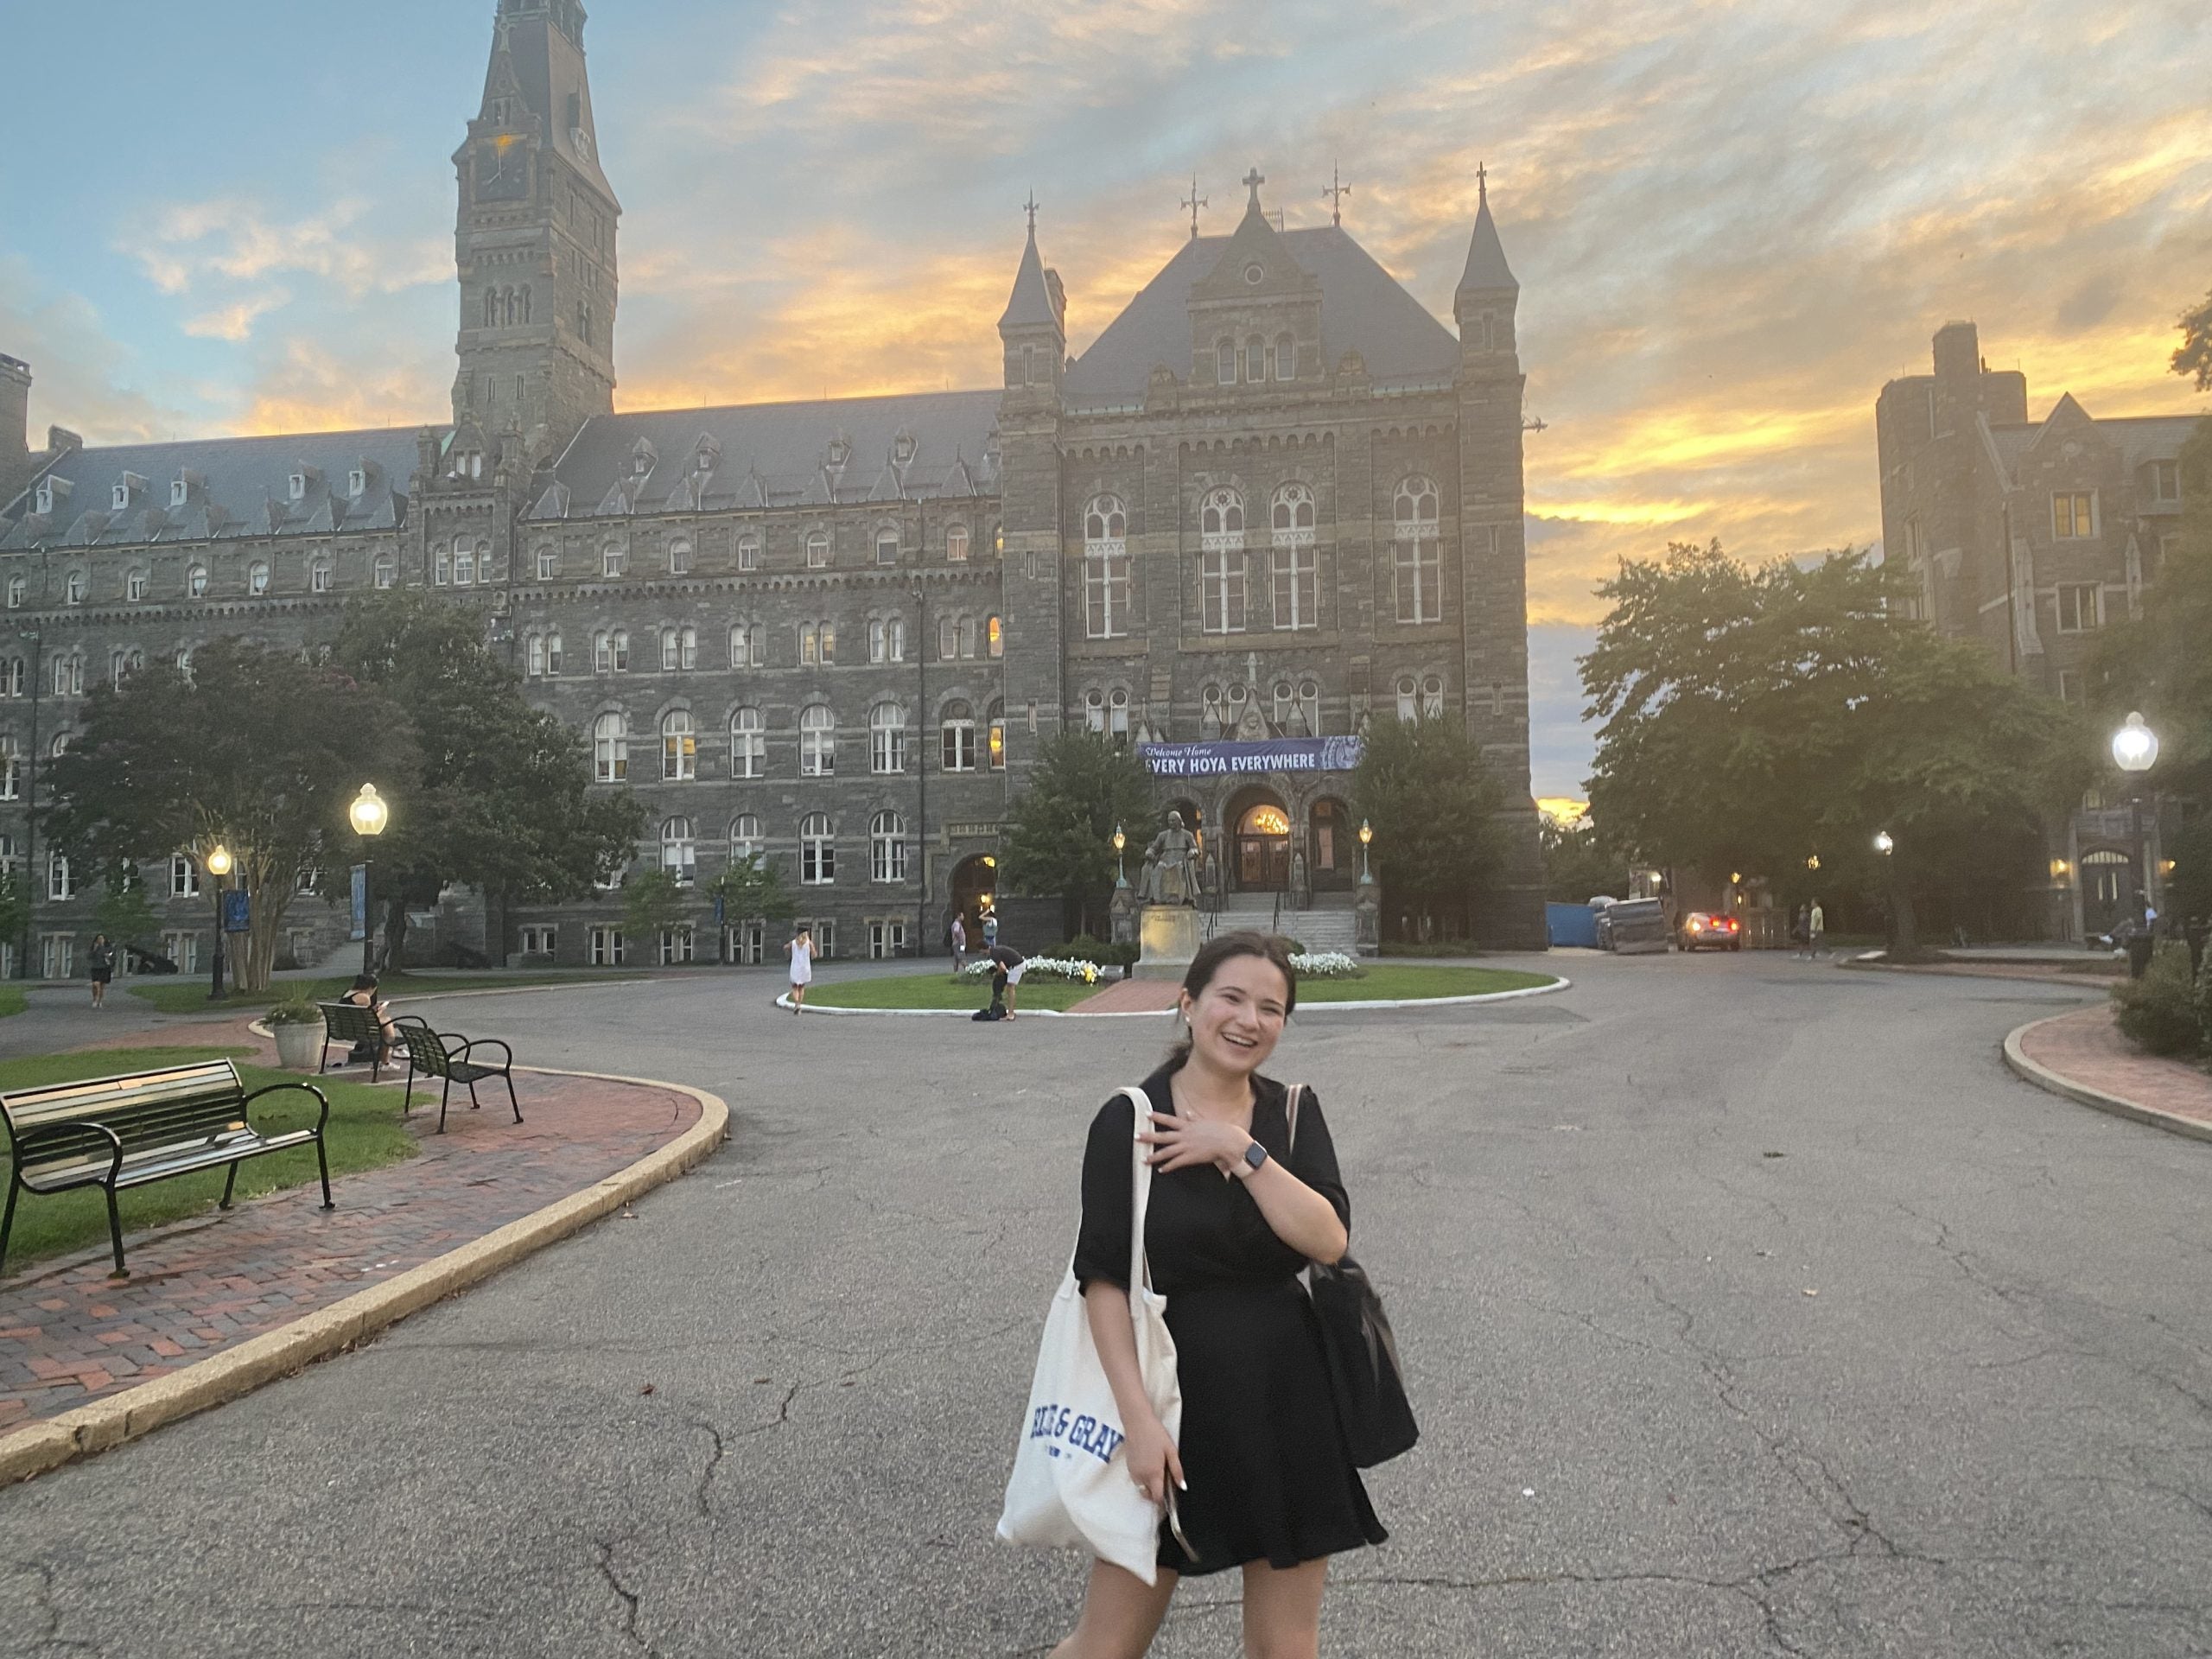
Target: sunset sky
<point>1730,222</point>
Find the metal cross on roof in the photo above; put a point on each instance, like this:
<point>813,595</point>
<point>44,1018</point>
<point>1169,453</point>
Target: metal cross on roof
<point>1482,183</point>
<point>1336,193</point>
<point>1252,181</point>
<point>1194,201</point>
<point>1030,207</point>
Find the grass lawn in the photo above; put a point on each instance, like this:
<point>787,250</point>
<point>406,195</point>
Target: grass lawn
<point>362,1132</point>
<point>11,999</point>
<point>188,993</point>
<point>937,990</point>
<point>1385,982</point>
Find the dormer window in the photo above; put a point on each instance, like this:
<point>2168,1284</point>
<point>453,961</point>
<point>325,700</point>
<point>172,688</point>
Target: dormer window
<point>179,492</point>
<point>902,449</point>
<point>356,483</point>
<point>299,486</point>
<point>45,495</point>
<point>841,450</point>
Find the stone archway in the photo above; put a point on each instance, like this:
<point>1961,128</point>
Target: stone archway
<point>974,892</point>
<point>1257,824</point>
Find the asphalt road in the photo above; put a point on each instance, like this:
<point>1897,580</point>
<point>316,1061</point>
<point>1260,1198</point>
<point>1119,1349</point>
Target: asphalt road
<point>1751,1309</point>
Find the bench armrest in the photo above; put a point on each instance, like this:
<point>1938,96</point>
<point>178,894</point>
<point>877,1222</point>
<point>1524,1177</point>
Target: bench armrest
<point>469,1044</point>
<point>28,1139</point>
<point>321,1098</point>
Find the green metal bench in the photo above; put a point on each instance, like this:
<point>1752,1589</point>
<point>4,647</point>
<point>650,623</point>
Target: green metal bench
<point>125,1131</point>
<point>450,1057</point>
<point>351,1024</point>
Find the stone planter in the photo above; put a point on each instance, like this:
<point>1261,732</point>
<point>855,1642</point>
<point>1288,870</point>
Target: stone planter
<point>298,1047</point>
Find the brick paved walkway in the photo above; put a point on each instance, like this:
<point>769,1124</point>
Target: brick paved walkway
<point>1131,996</point>
<point>67,1332</point>
<point>2086,1048</point>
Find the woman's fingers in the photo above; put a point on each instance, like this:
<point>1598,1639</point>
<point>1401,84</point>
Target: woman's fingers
<point>1175,1468</point>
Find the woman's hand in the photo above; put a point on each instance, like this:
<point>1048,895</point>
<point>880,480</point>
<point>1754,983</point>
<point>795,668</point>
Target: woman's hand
<point>1153,1459</point>
<point>1185,1142</point>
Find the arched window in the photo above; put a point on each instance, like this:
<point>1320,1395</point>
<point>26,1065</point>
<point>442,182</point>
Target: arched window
<point>818,549</point>
<point>525,302</point>
<point>956,737</point>
<point>817,741</point>
<point>1295,562</point>
<point>257,577</point>
<point>747,646</point>
<point>134,586</point>
<point>886,545</point>
<point>122,662</point>
<point>744,837</point>
<point>19,589</point>
<point>1286,357</point>
<point>967,636</point>
<point>748,744</point>
<point>1224,361</point>
<point>1117,712</point>
<point>1408,692</point>
<point>748,550</point>
<point>610,748</point>
<point>68,677</point>
<point>613,560</point>
<point>440,564</point>
<point>11,676</point>
<point>534,657</point>
<point>553,651</point>
<point>548,562</point>
<point>387,570</point>
<point>948,637</point>
<point>956,544</point>
<point>678,848</point>
<point>184,663</point>
<point>887,847</point>
<point>75,586</point>
<point>1309,706</point>
<point>1094,710</point>
<point>464,565</point>
<point>679,557</point>
<point>818,851</point>
<point>679,748</point>
<point>11,768</point>
<point>195,581</point>
<point>1105,568</point>
<point>894,639</point>
<point>58,884</point>
<point>995,740</point>
<point>1221,571</point>
<point>490,307</point>
<point>1255,358</point>
<point>1416,572</point>
<point>671,649</point>
<point>886,728</point>
<point>876,639</point>
<point>1432,696</point>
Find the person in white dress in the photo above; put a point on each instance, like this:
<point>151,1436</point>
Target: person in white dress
<point>802,954</point>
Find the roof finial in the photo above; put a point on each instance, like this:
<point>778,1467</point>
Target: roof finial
<point>1252,181</point>
<point>1194,202</point>
<point>1482,185</point>
<point>1336,193</point>
<point>1030,207</point>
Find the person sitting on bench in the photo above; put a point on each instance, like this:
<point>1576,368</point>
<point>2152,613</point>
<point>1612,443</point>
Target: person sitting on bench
<point>364,995</point>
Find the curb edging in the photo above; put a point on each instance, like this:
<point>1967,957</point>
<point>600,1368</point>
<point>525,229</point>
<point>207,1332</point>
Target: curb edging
<point>1343,1004</point>
<point>2029,1070</point>
<point>37,1447</point>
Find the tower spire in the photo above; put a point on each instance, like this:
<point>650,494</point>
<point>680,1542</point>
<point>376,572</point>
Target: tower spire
<point>1336,193</point>
<point>1194,201</point>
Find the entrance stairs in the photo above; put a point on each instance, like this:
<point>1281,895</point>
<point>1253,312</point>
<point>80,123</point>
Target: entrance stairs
<point>1327,922</point>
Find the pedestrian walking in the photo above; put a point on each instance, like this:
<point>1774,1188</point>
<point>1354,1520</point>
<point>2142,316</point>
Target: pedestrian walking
<point>1816,927</point>
<point>959,942</point>
<point>990,931</point>
<point>1259,1475</point>
<point>801,951</point>
<point>100,962</point>
<point>1801,933</point>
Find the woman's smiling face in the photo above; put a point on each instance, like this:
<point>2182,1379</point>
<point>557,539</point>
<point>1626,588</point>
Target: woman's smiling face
<point>1236,1020</point>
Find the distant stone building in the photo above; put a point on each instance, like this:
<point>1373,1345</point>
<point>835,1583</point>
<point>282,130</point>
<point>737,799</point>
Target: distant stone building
<point>2029,537</point>
<point>1275,498</point>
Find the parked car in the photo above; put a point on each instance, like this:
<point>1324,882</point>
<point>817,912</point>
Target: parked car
<point>1634,926</point>
<point>1703,931</point>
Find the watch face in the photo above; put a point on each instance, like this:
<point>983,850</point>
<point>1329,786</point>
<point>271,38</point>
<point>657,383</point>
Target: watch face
<point>1255,1154</point>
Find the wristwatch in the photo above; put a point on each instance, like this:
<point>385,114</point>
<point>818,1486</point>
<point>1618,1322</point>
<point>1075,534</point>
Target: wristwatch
<point>1255,1155</point>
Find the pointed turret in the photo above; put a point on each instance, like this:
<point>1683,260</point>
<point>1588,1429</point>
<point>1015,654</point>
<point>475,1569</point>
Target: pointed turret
<point>1488,294</point>
<point>1034,325</point>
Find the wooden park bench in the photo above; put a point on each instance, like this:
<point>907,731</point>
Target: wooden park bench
<point>351,1024</point>
<point>146,1125</point>
<point>449,1056</point>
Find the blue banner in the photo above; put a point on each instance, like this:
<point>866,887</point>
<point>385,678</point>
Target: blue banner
<point>237,911</point>
<point>361,919</point>
<point>1271,754</point>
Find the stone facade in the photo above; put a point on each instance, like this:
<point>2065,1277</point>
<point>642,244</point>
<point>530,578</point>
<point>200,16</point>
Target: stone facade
<point>1259,506</point>
<point>2029,537</point>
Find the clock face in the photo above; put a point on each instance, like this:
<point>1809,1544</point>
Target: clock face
<point>502,171</point>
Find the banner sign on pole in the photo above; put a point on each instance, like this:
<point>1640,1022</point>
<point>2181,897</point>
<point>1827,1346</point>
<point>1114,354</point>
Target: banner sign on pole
<point>1271,754</point>
<point>237,911</point>
<point>360,924</point>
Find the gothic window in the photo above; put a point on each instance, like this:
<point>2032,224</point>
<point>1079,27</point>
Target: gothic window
<point>612,560</point>
<point>1028,377</point>
<point>817,741</point>
<point>583,321</point>
<point>817,851</point>
<point>11,676</point>
<point>748,550</point>
<point>1408,707</point>
<point>525,310</point>
<point>1285,703</point>
<point>818,549</point>
<point>679,748</point>
<point>679,557</point>
<point>553,651</point>
<point>886,545</point>
<point>1432,696</point>
<point>73,589</point>
<point>747,646</point>
<point>386,570</point>
<point>1221,576</point>
<point>967,636</point>
<point>18,589</point>
<point>58,884</point>
<point>998,541</point>
<point>744,837</point>
<point>948,637</point>
<point>994,636</point>
<point>1416,573</point>
<point>748,744</point>
<point>1309,706</point>
<point>11,768</point>
<point>490,307</point>
<point>887,725</point>
<point>122,662</point>
<point>69,675</point>
<point>1297,600</point>
<point>678,848</point>
<point>134,585</point>
<point>195,581</point>
<point>1094,710</point>
<point>1224,361</point>
<point>956,737</point>
<point>887,847</point>
<point>536,657</point>
<point>548,562</point>
<point>956,544</point>
<point>1285,357</point>
<point>464,565</point>
<point>1105,568</point>
<point>1256,359</point>
<point>610,749</point>
<point>440,564</point>
<point>817,643</point>
<point>995,740</point>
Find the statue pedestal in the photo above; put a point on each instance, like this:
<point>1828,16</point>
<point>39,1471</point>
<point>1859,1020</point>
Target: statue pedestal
<point>1123,913</point>
<point>1367,918</point>
<point>1169,937</point>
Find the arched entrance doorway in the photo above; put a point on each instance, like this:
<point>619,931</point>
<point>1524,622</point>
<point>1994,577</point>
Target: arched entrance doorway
<point>1259,858</point>
<point>2107,889</point>
<point>975,891</point>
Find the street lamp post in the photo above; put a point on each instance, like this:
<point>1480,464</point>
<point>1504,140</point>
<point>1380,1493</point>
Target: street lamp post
<point>218,866</point>
<point>920,596</point>
<point>368,814</point>
<point>1121,866</point>
<point>1366,835</point>
<point>2135,751</point>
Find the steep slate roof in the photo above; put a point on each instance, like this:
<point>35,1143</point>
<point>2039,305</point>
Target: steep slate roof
<point>547,67</point>
<point>1364,310</point>
<point>2139,438</point>
<point>778,454</point>
<point>1031,303</point>
<point>235,487</point>
<point>1486,266</point>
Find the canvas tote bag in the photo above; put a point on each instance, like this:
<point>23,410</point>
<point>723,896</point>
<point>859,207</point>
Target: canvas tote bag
<point>1071,1485</point>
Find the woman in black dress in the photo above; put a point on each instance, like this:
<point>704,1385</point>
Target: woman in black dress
<point>1264,1480</point>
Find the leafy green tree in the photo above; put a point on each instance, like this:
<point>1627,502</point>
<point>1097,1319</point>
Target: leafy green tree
<point>15,907</point>
<point>122,912</point>
<point>750,887</point>
<point>653,902</point>
<point>255,750</point>
<point>499,797</point>
<point>2193,357</point>
<point>1578,862</point>
<point>1422,785</point>
<point>1061,837</point>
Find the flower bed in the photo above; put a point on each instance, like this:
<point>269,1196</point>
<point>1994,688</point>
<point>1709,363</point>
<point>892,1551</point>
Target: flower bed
<point>1327,965</point>
<point>1059,968</point>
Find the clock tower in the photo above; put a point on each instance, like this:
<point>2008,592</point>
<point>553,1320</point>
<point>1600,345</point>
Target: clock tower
<point>534,245</point>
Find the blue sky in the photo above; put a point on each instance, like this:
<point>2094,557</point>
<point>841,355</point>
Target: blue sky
<point>1731,222</point>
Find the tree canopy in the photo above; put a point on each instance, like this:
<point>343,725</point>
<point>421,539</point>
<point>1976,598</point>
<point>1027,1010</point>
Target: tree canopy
<point>1061,840</point>
<point>1422,786</point>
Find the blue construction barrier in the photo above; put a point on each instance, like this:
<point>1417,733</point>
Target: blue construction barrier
<point>1572,925</point>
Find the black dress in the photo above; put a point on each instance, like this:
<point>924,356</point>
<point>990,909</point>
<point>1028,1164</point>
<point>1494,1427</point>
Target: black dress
<point>1270,1477</point>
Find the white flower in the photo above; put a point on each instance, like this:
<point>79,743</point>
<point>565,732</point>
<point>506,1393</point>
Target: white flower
<point>1326,964</point>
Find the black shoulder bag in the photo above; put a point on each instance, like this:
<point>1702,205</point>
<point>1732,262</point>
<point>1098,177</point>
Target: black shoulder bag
<point>1364,1374</point>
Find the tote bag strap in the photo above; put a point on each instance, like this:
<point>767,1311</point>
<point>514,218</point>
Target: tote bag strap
<point>1290,1106</point>
<point>1141,1191</point>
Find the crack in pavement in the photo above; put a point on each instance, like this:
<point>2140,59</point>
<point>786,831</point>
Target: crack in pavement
<point>43,1596</point>
<point>632,1599</point>
<point>714,1462</point>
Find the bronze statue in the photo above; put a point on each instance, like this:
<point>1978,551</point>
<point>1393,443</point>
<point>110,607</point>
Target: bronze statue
<point>1170,871</point>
